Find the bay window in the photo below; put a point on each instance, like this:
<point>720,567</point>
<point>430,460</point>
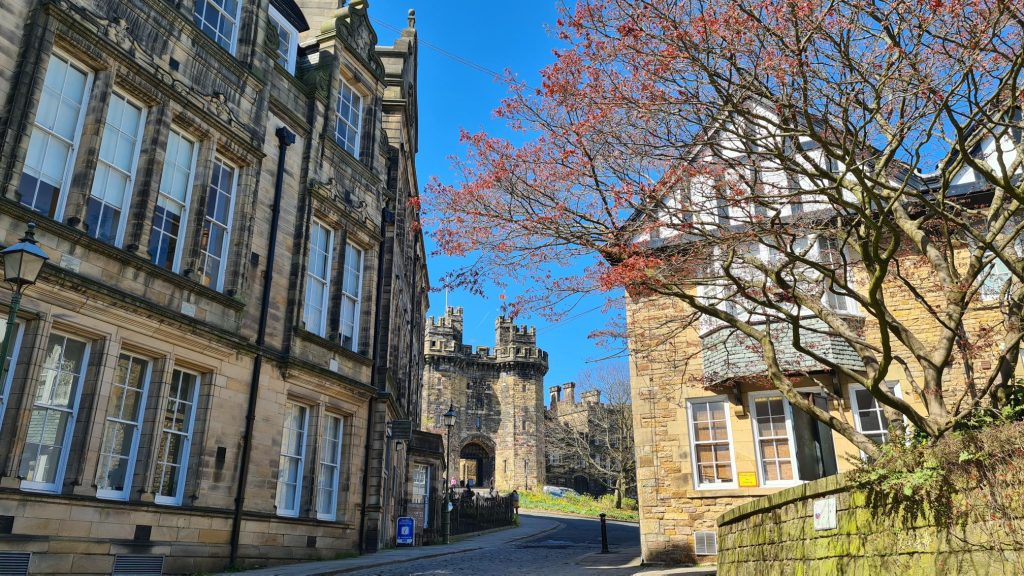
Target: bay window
<point>175,442</point>
<point>216,236</point>
<point>711,443</point>
<point>115,171</point>
<point>351,297</point>
<point>125,410</point>
<point>349,119</point>
<point>318,278</point>
<point>219,20</point>
<point>292,461</point>
<point>770,415</point>
<point>173,200</point>
<point>9,364</point>
<point>330,468</point>
<point>55,136</point>
<point>287,40</point>
<point>53,413</point>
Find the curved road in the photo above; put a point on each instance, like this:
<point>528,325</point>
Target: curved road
<point>553,553</point>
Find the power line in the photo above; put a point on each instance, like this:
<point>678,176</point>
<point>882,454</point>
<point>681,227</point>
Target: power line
<point>450,55</point>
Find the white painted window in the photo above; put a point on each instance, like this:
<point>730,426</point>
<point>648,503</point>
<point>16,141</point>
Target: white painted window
<point>54,411</point>
<point>714,463</point>
<point>830,253</point>
<point>219,20</point>
<point>216,236</point>
<point>868,416</point>
<point>56,134</point>
<point>107,208</point>
<point>287,40</point>
<point>421,492</point>
<point>9,364</point>
<point>318,278</point>
<point>176,438</point>
<point>173,200</point>
<point>125,410</point>
<point>351,297</point>
<point>293,456</point>
<point>349,119</point>
<point>330,468</point>
<point>773,439</point>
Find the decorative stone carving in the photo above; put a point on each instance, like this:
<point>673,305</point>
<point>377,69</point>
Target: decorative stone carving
<point>117,32</point>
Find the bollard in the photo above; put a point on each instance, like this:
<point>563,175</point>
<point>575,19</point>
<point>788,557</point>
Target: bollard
<point>604,535</point>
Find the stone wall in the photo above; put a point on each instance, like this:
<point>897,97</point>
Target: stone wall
<point>776,535</point>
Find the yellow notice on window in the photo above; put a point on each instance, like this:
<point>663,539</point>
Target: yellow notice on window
<point>748,480</point>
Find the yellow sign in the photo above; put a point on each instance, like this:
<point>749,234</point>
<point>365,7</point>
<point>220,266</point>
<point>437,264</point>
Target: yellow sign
<point>748,480</point>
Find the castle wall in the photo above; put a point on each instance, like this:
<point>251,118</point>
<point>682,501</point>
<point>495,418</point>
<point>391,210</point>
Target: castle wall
<point>497,394</point>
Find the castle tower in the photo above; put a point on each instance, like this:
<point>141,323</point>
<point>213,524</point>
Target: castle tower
<point>498,437</point>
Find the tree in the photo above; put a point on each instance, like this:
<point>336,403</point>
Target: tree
<point>758,160</point>
<point>598,437</point>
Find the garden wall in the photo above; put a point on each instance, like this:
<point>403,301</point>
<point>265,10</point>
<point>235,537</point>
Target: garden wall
<point>777,535</point>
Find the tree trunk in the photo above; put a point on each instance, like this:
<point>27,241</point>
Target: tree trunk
<point>619,485</point>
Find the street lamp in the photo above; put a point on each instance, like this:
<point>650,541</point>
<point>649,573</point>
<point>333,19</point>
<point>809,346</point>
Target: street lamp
<point>449,421</point>
<point>22,263</point>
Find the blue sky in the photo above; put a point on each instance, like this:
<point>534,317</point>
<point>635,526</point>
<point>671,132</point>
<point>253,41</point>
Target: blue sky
<point>454,95</point>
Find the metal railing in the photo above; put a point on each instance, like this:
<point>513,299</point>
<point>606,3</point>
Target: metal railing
<point>468,514</point>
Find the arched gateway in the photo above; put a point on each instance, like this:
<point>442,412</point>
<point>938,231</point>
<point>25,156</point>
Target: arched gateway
<point>476,465</point>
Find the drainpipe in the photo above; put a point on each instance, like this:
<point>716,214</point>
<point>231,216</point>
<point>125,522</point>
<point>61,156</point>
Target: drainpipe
<point>386,217</point>
<point>285,138</point>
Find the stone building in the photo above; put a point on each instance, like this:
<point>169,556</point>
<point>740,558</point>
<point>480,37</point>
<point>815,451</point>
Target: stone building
<point>233,308</point>
<point>712,434</point>
<point>564,466</point>
<point>498,437</point>
<point>588,442</point>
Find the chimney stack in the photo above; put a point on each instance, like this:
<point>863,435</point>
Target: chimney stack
<point>570,392</point>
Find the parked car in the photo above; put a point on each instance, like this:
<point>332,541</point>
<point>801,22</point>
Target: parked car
<point>560,491</point>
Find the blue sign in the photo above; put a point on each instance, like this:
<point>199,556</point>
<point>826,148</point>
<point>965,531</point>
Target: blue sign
<point>406,531</point>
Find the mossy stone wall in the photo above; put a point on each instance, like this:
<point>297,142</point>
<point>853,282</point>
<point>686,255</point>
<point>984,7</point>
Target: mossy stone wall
<point>775,535</point>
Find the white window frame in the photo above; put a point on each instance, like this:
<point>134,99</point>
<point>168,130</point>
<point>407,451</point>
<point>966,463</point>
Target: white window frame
<point>752,398</point>
<point>187,436</point>
<point>62,193</point>
<point>293,39</point>
<point>995,276</point>
<point>137,423</point>
<point>58,480</point>
<point>355,299</point>
<point>292,509</point>
<point>187,206</point>
<point>697,484</point>
<point>329,510</point>
<point>356,103</point>
<point>209,221</point>
<point>133,170</point>
<point>325,299</point>
<point>233,42</point>
<point>894,387</point>
<point>13,350</point>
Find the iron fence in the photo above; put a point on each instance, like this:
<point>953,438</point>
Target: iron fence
<point>468,514</point>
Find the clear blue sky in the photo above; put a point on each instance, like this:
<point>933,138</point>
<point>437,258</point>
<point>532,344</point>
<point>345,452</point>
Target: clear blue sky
<point>454,95</point>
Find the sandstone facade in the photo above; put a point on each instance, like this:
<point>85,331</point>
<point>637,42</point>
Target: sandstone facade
<point>148,141</point>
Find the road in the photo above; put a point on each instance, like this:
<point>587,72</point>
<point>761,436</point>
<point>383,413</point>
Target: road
<point>553,553</point>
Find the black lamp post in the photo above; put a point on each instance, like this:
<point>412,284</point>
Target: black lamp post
<point>449,421</point>
<point>22,263</point>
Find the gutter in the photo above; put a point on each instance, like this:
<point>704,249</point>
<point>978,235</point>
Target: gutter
<point>386,217</point>
<point>285,138</point>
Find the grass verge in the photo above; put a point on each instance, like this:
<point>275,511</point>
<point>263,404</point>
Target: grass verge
<point>584,505</point>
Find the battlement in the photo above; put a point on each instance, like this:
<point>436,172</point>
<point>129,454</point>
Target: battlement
<point>513,343</point>
<point>507,332</point>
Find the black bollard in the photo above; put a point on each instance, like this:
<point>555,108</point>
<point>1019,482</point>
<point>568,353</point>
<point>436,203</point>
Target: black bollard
<point>604,535</point>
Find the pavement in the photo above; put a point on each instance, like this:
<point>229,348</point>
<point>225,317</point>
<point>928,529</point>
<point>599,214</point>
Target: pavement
<point>542,544</point>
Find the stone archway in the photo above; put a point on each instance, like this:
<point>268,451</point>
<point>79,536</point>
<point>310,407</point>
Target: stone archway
<point>476,465</point>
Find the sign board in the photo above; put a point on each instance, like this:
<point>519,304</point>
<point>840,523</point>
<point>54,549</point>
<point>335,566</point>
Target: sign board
<point>406,532</point>
<point>825,513</point>
<point>748,480</point>
<point>401,430</point>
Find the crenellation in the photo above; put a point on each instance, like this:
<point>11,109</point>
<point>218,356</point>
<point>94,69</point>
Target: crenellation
<point>497,392</point>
